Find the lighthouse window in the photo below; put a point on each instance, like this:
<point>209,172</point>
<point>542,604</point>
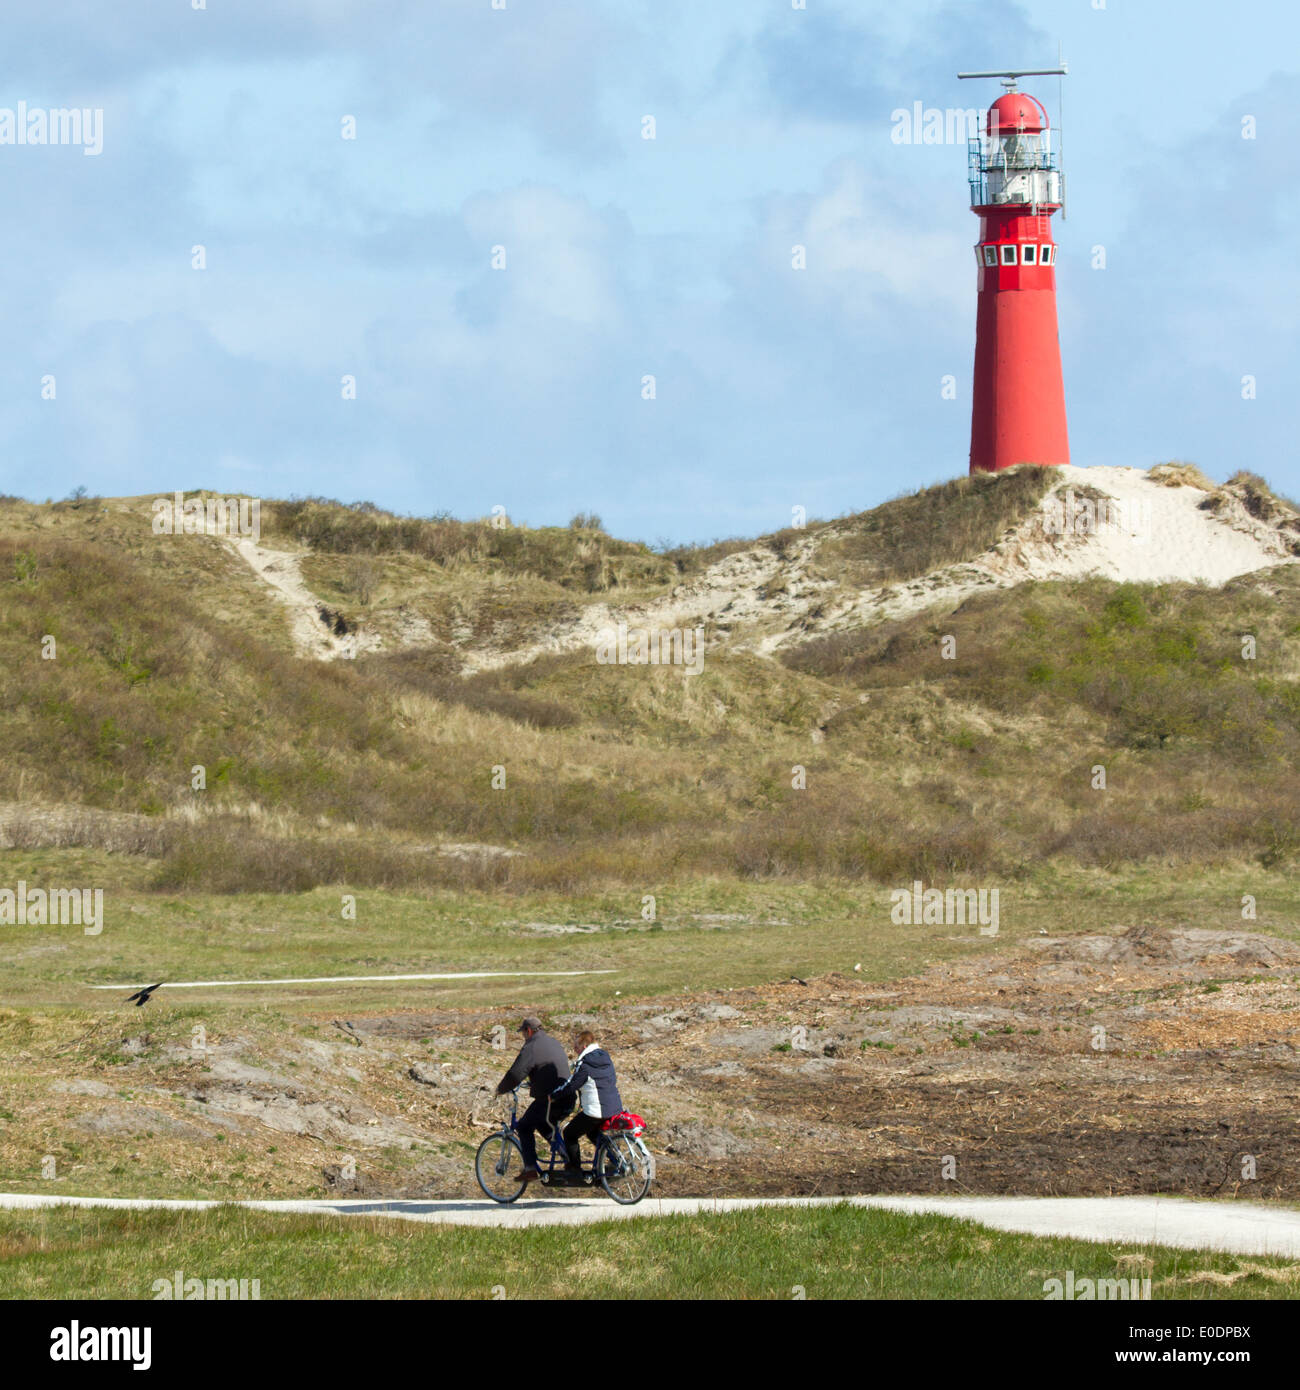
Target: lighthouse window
<point>1046,257</point>
<point>990,255</point>
<point>1028,255</point>
<point>1008,255</point>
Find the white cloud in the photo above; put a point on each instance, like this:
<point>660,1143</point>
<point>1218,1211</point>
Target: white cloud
<point>857,227</point>
<point>559,256</point>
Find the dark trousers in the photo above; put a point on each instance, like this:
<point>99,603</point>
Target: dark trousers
<point>533,1122</point>
<point>583,1127</point>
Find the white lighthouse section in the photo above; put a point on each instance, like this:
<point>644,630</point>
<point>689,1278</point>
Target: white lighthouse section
<point>1018,169</point>
<point>1012,162</point>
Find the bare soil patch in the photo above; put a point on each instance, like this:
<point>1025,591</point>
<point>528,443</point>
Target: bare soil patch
<point>1139,1061</point>
<point>1144,1062</point>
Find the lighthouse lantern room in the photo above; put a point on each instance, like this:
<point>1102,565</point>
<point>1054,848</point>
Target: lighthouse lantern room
<point>1018,400</point>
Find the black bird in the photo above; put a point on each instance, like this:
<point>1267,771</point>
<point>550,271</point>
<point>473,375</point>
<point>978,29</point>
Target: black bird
<point>141,996</point>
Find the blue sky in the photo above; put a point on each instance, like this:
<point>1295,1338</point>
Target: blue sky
<point>479,127</point>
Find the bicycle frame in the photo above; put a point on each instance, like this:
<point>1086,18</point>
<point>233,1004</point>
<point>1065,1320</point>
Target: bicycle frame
<point>558,1155</point>
<point>616,1157</point>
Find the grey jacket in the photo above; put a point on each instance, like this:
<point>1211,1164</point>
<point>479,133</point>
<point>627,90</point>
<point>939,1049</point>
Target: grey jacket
<point>543,1060</point>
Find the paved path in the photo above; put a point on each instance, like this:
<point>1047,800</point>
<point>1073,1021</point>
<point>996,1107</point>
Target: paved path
<point>348,979</point>
<point>1240,1227</point>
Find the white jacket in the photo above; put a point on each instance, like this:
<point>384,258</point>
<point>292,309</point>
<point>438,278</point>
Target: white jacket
<point>593,1080</point>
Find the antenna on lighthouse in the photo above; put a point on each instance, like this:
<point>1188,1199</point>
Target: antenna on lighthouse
<point>1060,127</point>
<point>1013,73</point>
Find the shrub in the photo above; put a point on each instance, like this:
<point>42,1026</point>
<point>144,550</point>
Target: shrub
<point>938,526</point>
<point>584,559</point>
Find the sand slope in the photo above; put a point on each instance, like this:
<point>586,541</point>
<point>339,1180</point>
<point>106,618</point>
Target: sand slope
<point>1115,523</point>
<point>1123,524</point>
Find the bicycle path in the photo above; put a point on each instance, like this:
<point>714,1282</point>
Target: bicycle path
<point>1242,1228</point>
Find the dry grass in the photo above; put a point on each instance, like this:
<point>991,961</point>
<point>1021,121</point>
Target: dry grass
<point>912,764</point>
<point>1176,473</point>
<point>1260,501</point>
<point>938,526</point>
<point>574,557</point>
<point>434,672</point>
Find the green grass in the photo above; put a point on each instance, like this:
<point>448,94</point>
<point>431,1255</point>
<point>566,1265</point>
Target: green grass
<point>832,1252</point>
<point>1161,665</point>
<point>711,934</point>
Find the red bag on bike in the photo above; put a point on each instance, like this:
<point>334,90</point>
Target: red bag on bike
<point>625,1120</point>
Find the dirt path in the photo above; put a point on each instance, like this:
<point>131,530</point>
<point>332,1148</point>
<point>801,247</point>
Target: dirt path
<point>1237,1227</point>
<point>315,629</point>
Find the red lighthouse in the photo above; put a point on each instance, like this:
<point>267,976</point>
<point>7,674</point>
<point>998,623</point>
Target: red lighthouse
<point>1018,403</point>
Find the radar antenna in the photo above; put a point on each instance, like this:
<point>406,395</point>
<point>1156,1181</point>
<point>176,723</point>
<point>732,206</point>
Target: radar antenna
<point>1009,76</point>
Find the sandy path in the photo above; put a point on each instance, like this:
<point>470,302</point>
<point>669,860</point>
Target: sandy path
<point>281,572</point>
<point>1238,1227</point>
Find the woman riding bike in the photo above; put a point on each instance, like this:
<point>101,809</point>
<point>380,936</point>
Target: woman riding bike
<point>594,1083</point>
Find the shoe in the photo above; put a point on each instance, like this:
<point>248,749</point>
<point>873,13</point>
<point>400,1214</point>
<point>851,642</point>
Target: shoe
<point>530,1175</point>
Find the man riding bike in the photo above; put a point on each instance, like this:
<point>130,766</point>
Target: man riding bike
<point>543,1061</point>
<point>595,1084</point>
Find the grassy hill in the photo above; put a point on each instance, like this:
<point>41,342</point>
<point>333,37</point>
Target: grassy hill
<point>918,759</point>
<point>769,805</point>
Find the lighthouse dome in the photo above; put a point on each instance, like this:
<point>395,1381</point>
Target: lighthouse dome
<point>1017,111</point>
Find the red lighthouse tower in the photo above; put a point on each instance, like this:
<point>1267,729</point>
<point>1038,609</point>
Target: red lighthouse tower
<point>1018,403</point>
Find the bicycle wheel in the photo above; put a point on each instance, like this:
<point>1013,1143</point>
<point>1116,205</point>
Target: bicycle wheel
<point>499,1167</point>
<point>624,1168</point>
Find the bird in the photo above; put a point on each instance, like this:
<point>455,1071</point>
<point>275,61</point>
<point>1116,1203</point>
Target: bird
<point>141,996</point>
